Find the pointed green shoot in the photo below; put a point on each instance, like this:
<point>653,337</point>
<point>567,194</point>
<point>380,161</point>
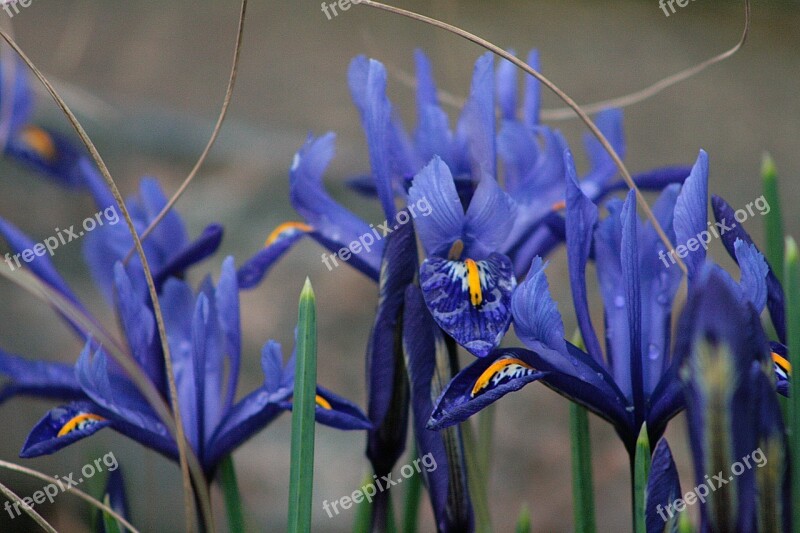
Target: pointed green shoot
<point>791,287</point>
<point>641,469</point>
<point>773,219</point>
<point>301,472</point>
<point>524,520</point>
<point>411,506</point>
<point>230,493</point>
<point>582,485</point>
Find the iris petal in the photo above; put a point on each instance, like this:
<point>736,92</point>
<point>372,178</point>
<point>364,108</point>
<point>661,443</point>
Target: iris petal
<point>61,427</point>
<point>438,231</point>
<point>479,385</point>
<point>691,212</point>
<point>470,300</point>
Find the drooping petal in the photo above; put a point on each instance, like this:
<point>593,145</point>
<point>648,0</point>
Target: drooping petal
<point>41,265</point>
<point>691,213</point>
<point>62,426</point>
<point>427,357</point>
<point>782,367</point>
<point>336,227</point>
<point>470,300</point>
<point>117,399</point>
<point>581,220</point>
<point>480,384</point>
<point>201,248</point>
<point>278,243</point>
<point>49,153</point>
<point>367,80</point>
<point>42,379</point>
<point>438,231</point>
<point>336,411</point>
<point>663,488</point>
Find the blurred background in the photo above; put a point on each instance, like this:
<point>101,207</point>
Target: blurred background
<point>147,79</point>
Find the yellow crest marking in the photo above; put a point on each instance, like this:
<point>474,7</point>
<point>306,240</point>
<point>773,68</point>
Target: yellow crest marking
<point>322,402</point>
<point>498,366</point>
<point>286,226</point>
<point>41,142</point>
<point>78,420</point>
<point>474,282</point>
<point>781,361</point>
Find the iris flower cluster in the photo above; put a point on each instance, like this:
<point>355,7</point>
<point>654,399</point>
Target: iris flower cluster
<point>456,279</point>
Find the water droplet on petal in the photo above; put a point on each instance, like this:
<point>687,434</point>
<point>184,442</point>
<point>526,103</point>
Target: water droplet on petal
<point>619,301</point>
<point>653,352</point>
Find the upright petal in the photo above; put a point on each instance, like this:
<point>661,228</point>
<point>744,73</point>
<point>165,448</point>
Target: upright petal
<point>445,224</point>
<point>507,88</point>
<point>367,79</point>
<point>537,321</point>
<point>533,93</point>
<point>581,220</point>
<point>691,213</point>
<point>489,219</point>
<point>730,231</point>
<point>476,126</point>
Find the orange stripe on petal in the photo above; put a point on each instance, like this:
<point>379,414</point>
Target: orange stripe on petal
<point>76,421</point>
<point>495,368</point>
<point>781,361</point>
<point>287,227</point>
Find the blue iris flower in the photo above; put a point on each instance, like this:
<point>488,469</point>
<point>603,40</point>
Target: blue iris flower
<point>204,338</point>
<point>634,381</point>
<point>532,157</point>
<point>40,149</point>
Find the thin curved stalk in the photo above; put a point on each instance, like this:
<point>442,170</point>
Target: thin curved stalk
<point>73,490</point>
<point>201,485</point>
<point>573,106</point>
<point>214,134</point>
<point>30,511</point>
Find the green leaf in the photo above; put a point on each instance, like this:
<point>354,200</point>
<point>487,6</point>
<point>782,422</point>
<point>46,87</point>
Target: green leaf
<point>413,496</point>
<point>476,479</point>
<point>301,472</point>
<point>641,469</point>
<point>524,520</point>
<point>230,492</point>
<point>363,519</point>
<point>582,486</point>
<point>685,523</point>
<point>773,220</point>
<point>111,524</point>
<point>792,290</point>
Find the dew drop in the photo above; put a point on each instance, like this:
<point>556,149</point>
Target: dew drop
<point>653,352</point>
<point>619,301</point>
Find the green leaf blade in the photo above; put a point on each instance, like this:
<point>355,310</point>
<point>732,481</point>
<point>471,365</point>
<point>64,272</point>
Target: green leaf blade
<point>301,473</point>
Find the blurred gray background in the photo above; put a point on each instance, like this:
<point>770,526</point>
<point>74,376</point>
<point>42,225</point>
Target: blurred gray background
<point>148,79</point>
